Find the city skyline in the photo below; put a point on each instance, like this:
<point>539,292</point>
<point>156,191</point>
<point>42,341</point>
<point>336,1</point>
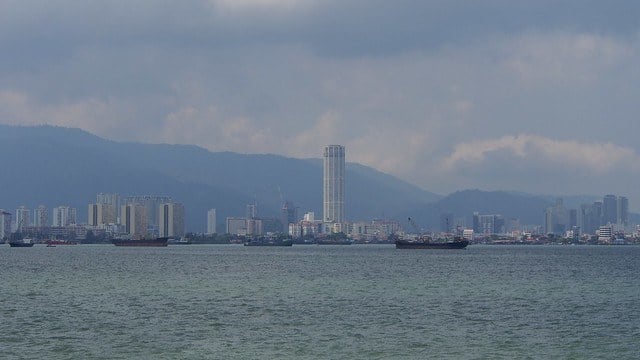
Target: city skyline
<point>493,95</point>
<point>609,216</point>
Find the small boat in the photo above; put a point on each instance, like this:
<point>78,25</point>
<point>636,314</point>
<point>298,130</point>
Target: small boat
<point>181,241</point>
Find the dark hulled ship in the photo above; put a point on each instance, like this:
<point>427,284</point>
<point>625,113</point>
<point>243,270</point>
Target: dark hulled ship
<point>457,243</point>
<point>161,241</point>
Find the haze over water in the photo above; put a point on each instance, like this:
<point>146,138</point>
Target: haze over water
<point>359,301</point>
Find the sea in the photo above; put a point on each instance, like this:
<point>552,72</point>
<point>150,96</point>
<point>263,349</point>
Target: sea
<point>319,302</point>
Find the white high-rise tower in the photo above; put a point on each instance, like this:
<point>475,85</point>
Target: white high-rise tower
<point>211,221</point>
<point>333,185</point>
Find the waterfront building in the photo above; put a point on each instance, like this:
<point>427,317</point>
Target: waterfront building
<point>211,222</point>
<point>151,204</point>
<point>171,220</point>
<point>23,218</point>
<point>110,199</point>
<point>605,233</point>
<point>254,226</point>
<point>5,224</point>
<point>41,217</point>
<point>333,186</point>
<point>101,214</point>
<point>490,224</point>
<point>236,226</point>
<point>376,230</point>
<point>64,216</point>
<point>134,220</point>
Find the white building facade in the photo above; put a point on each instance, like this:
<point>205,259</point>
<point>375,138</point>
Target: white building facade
<point>211,221</point>
<point>333,186</point>
<point>64,216</point>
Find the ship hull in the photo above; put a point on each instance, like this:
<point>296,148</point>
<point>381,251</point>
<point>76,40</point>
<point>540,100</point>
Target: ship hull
<point>461,244</point>
<point>61,242</point>
<point>268,243</point>
<point>158,242</point>
<point>20,244</point>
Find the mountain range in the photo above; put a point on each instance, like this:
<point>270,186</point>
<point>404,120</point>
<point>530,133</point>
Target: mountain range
<point>53,166</point>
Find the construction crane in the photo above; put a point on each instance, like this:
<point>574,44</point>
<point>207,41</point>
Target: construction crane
<point>419,234</point>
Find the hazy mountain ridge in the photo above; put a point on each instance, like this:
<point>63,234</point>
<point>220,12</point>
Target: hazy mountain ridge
<point>60,166</point>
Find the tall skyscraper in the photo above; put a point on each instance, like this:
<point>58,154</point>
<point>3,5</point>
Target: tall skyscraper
<point>333,184</point>
<point>211,221</point>
<point>609,210</point>
<point>171,220</point>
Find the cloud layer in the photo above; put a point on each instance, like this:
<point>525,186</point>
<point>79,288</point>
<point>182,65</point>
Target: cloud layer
<point>538,96</point>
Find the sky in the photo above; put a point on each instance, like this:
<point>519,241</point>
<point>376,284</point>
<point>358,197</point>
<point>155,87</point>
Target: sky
<point>538,96</point>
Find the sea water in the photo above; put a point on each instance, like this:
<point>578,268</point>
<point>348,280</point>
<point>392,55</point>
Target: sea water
<point>319,302</point>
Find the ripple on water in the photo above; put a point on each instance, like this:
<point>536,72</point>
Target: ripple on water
<point>320,302</point>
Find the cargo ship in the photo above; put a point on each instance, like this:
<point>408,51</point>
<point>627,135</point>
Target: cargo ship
<point>60,242</point>
<point>161,241</point>
<point>457,243</point>
<point>269,242</point>
<point>424,241</point>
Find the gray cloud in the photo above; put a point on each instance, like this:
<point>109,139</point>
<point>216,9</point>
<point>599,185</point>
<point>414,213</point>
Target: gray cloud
<point>405,85</point>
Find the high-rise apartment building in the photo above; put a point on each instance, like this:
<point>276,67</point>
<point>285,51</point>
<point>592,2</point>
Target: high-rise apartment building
<point>5,224</point>
<point>64,216</point>
<point>171,220</point>
<point>134,220</point>
<point>623,210</point>
<point>609,209</point>
<point>333,184</point>
<point>152,205</point>
<point>41,217</point>
<point>102,214</point>
<point>110,199</point>
<point>23,218</point>
<point>556,218</point>
<point>211,221</point>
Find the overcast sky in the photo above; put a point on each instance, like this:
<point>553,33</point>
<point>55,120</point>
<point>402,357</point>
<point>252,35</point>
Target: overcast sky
<point>534,96</point>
